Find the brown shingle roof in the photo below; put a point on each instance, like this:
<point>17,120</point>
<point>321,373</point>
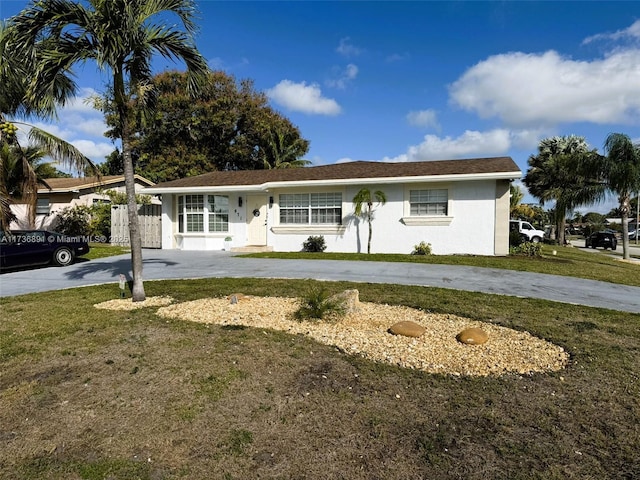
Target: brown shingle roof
<point>345,171</point>
<point>85,182</point>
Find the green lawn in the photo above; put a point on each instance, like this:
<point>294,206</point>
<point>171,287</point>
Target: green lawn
<point>568,261</point>
<point>101,250</point>
<point>96,394</point>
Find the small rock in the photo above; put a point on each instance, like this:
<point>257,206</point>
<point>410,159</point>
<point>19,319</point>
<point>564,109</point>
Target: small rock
<point>349,300</point>
<point>407,328</point>
<point>234,298</point>
<point>472,336</point>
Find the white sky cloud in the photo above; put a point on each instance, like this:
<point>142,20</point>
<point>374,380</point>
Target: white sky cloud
<point>632,32</point>
<point>343,76</point>
<point>347,49</point>
<point>423,118</point>
<point>468,145</point>
<point>547,89</point>
<point>304,98</point>
<point>397,57</point>
<point>94,150</point>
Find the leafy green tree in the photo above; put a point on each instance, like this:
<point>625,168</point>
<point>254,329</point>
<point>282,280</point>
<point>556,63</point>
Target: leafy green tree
<point>18,67</point>
<point>121,36</point>
<point>363,205</point>
<point>12,171</point>
<point>594,217</point>
<point>515,196</point>
<point>228,126</point>
<point>283,150</point>
<point>619,172</point>
<point>552,176</point>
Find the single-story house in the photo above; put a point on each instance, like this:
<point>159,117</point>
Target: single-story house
<point>61,193</point>
<point>458,206</point>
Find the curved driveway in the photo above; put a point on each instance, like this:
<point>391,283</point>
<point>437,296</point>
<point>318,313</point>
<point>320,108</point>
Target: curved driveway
<point>173,264</point>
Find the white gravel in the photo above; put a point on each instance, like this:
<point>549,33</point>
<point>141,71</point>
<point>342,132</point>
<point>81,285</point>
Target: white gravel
<point>365,333</point>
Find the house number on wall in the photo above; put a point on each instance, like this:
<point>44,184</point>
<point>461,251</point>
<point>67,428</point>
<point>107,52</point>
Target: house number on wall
<point>256,213</point>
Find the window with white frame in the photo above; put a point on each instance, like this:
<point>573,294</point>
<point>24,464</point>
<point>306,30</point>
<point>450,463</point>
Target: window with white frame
<point>218,213</point>
<point>196,216</point>
<point>433,202</point>
<point>311,208</point>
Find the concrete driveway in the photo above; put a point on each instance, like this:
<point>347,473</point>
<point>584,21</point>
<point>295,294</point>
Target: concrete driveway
<point>173,264</point>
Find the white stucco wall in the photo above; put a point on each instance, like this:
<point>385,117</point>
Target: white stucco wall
<point>470,231</point>
<point>469,227</point>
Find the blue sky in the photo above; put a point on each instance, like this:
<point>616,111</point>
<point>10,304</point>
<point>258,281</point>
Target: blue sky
<point>409,81</point>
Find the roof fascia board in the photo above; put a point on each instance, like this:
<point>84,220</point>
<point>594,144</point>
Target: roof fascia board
<point>333,182</point>
<point>85,186</point>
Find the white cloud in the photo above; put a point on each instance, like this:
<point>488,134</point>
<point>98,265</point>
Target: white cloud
<point>304,98</point>
<point>216,63</point>
<point>470,144</point>
<point>81,125</point>
<point>547,89</point>
<point>632,32</point>
<point>397,57</point>
<point>343,77</point>
<point>96,151</point>
<point>347,49</point>
<point>423,118</point>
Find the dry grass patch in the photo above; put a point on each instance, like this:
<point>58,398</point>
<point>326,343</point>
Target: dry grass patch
<point>366,333</point>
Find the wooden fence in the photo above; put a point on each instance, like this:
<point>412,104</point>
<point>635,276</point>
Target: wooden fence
<point>150,225</point>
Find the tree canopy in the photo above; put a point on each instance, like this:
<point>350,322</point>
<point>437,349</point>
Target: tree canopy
<point>228,126</point>
<point>553,176</point>
<point>121,36</point>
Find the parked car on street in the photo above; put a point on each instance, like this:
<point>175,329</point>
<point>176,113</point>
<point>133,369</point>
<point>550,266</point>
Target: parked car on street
<point>22,248</point>
<point>602,239</point>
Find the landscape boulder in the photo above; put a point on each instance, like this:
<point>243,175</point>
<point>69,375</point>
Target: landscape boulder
<point>348,301</point>
<point>407,328</point>
<point>472,336</point>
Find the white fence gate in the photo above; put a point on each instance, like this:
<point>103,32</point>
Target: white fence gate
<point>150,225</point>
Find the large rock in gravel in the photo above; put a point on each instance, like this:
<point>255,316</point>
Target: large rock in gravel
<point>407,328</point>
<point>473,336</point>
<point>349,300</point>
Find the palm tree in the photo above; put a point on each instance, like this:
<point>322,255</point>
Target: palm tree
<point>552,176</point>
<point>283,151</point>
<point>17,65</point>
<point>619,171</point>
<point>366,197</point>
<point>121,36</point>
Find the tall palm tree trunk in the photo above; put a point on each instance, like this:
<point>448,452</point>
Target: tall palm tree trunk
<point>625,208</point>
<point>370,230</point>
<point>137,292</point>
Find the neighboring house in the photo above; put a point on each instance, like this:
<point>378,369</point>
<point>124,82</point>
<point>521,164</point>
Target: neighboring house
<point>458,206</point>
<point>69,192</point>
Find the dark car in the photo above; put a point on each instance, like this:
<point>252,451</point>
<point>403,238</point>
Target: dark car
<point>22,248</point>
<point>602,239</point>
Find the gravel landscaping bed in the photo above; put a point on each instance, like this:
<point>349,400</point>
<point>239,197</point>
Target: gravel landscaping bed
<point>365,333</point>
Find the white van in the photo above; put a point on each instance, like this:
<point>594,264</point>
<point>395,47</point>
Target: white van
<point>527,230</point>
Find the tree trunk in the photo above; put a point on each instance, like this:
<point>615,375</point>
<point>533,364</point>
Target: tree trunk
<point>625,207</point>
<point>370,233</point>
<point>135,237</point>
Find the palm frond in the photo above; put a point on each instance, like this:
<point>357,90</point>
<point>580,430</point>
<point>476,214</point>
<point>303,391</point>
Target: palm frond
<point>61,151</point>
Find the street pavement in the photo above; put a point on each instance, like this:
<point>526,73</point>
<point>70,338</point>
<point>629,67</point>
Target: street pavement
<point>176,264</point>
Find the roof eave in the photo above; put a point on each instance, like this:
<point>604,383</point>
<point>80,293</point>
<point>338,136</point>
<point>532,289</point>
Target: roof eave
<point>85,186</point>
<point>335,182</point>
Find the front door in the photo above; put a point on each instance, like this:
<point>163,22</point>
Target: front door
<point>257,219</point>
